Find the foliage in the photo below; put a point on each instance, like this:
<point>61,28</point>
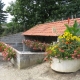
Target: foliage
<point>2,46</point>
<point>73,8</point>
<point>39,61</point>
<point>68,47</point>
<point>28,13</point>
<point>32,12</point>
<point>75,29</point>
<point>7,51</point>
<point>36,45</point>
<point>2,16</point>
<point>2,12</point>
<point>12,29</point>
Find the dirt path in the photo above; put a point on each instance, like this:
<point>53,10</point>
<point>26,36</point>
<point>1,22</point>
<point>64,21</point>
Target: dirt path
<point>37,72</point>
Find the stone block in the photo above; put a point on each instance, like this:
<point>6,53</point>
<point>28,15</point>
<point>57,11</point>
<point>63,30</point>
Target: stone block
<point>26,59</point>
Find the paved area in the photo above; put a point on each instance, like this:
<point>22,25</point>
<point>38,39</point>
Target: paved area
<point>37,72</point>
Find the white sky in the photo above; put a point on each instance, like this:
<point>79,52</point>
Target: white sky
<point>6,2</point>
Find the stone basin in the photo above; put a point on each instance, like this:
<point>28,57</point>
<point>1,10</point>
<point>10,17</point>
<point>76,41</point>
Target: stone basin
<point>60,65</point>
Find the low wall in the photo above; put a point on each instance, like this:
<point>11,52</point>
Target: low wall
<point>16,45</point>
<point>26,59</point>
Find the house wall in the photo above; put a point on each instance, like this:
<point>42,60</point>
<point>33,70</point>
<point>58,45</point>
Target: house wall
<point>47,39</point>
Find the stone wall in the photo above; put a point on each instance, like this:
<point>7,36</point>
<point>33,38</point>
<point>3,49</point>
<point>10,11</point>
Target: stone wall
<point>27,59</point>
<point>23,59</point>
<point>14,40</point>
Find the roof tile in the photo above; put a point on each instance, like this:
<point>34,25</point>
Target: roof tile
<point>50,29</point>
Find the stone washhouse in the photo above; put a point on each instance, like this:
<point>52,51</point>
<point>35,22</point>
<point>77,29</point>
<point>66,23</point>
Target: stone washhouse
<point>47,32</point>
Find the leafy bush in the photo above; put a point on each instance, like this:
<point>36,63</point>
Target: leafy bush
<point>7,51</point>
<point>68,46</point>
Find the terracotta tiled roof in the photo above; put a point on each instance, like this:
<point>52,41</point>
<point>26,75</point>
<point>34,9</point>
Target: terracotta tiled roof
<point>49,29</point>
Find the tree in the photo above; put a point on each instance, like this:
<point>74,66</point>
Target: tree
<point>32,12</point>
<point>28,13</point>
<point>2,15</point>
<point>73,8</point>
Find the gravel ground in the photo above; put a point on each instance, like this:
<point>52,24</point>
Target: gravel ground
<point>37,72</point>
